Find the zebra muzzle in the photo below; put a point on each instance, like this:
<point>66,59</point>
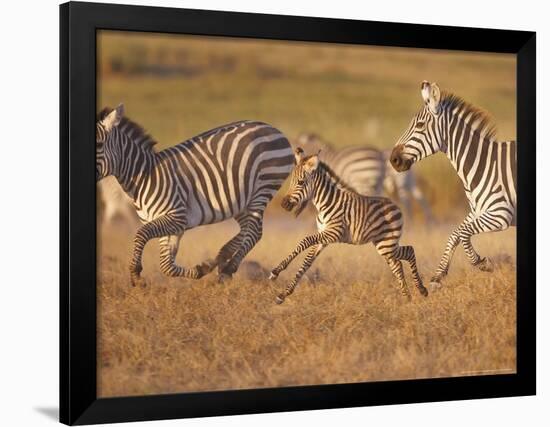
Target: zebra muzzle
<point>399,163</point>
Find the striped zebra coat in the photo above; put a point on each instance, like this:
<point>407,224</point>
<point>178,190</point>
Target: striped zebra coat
<point>229,172</point>
<point>486,167</point>
<point>367,171</point>
<point>344,216</point>
<point>362,168</point>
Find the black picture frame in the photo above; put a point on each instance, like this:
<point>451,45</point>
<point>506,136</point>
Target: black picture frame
<point>78,25</point>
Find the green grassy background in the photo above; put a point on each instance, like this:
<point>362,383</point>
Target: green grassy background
<point>178,86</point>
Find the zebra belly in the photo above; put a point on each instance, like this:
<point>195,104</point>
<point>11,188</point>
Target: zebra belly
<point>196,214</point>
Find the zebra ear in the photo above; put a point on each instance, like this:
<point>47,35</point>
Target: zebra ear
<point>113,118</point>
<point>431,94</point>
<point>298,155</point>
<point>311,163</point>
<point>425,90</point>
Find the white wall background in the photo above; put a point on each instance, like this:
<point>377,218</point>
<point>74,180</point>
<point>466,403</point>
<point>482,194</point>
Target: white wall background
<point>29,209</point>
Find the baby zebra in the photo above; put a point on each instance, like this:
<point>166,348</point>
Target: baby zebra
<point>344,216</point>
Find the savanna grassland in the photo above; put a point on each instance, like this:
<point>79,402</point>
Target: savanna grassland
<point>346,322</point>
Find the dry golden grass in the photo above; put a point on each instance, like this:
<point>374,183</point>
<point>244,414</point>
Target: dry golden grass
<point>346,323</point>
<point>349,324</point>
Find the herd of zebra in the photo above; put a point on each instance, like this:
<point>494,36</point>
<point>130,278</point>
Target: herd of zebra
<point>235,170</point>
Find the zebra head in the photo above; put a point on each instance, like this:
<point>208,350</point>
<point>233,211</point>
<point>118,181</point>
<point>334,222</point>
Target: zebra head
<point>424,136</point>
<point>105,138</point>
<point>300,189</point>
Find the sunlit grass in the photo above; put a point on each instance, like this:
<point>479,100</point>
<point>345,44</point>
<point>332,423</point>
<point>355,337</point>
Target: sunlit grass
<point>350,324</point>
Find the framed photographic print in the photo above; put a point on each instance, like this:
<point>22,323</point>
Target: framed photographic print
<point>283,213</point>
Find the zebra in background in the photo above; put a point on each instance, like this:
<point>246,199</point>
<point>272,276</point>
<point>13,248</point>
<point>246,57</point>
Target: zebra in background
<point>405,187</point>
<point>486,167</point>
<point>368,172</point>
<point>228,172</point>
<point>344,216</point>
<point>362,168</point>
<point>116,203</point>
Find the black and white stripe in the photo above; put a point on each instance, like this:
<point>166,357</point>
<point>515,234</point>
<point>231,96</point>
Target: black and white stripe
<point>486,167</point>
<point>344,216</point>
<point>362,168</point>
<point>368,172</point>
<point>229,172</point>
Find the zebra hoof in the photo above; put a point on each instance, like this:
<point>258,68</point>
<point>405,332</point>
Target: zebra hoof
<point>204,268</point>
<point>280,299</point>
<point>273,275</point>
<point>435,285</point>
<point>224,278</point>
<point>423,291</point>
<point>485,265</point>
<point>138,282</point>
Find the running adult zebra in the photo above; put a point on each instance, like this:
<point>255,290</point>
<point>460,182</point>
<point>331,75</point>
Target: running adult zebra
<point>344,216</point>
<point>229,172</point>
<point>362,168</point>
<point>486,167</point>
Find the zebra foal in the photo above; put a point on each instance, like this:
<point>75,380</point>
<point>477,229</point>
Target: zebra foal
<point>228,172</point>
<point>344,216</point>
<point>363,168</point>
<point>486,167</point>
<point>367,170</point>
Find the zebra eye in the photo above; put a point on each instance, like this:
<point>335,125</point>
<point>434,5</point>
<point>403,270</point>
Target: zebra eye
<point>301,182</point>
<point>420,125</point>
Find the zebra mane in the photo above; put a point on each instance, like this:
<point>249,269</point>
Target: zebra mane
<point>481,117</point>
<point>129,127</point>
<point>334,178</point>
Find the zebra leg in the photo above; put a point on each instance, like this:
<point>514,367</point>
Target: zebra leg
<point>484,264</point>
<point>221,260</point>
<point>407,253</point>
<point>452,243</point>
<point>231,247</point>
<point>390,254</point>
<point>251,232</point>
<point>483,224</point>
<point>168,250</point>
<point>310,257</point>
<point>396,268</point>
<point>315,239</point>
<point>165,225</point>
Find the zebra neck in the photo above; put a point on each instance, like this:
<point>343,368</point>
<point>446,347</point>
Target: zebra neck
<point>464,140</point>
<point>327,190</point>
<point>134,173</point>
